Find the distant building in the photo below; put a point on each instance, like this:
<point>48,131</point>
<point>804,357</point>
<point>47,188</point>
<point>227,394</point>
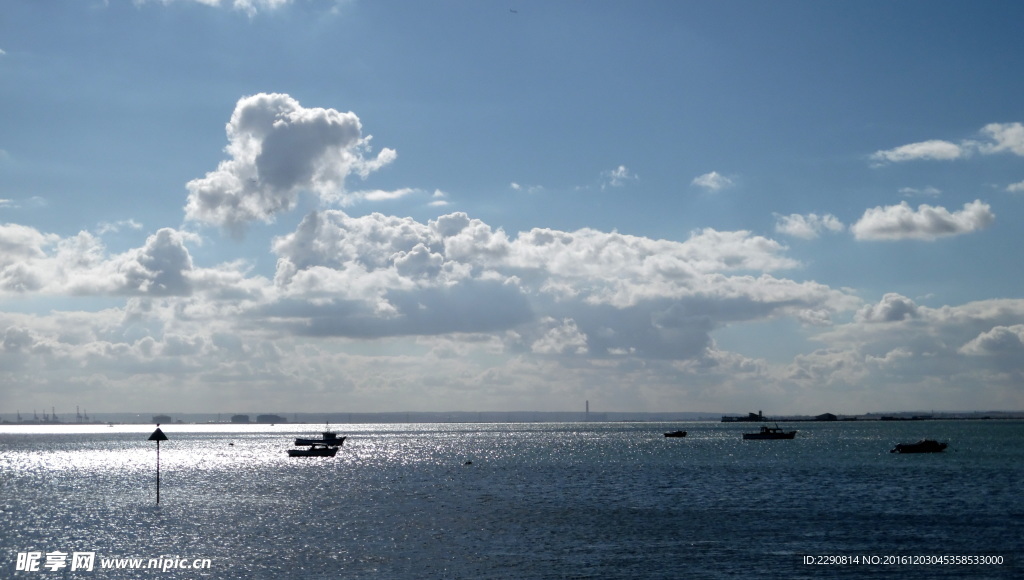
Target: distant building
<point>270,419</point>
<point>162,419</point>
<point>239,418</point>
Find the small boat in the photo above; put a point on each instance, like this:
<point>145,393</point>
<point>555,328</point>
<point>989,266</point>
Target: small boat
<point>328,439</point>
<point>675,434</point>
<point>770,433</point>
<point>922,446</point>
<point>314,451</point>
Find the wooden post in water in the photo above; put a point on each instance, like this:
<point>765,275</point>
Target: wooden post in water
<point>158,436</point>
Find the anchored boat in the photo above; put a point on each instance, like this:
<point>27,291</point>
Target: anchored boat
<point>770,433</point>
<point>922,446</point>
<point>326,446</point>
<point>314,451</point>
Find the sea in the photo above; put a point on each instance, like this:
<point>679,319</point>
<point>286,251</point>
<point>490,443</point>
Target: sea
<point>513,500</point>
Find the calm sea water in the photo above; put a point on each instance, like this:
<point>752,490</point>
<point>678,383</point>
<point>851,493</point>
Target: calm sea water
<point>548,500</point>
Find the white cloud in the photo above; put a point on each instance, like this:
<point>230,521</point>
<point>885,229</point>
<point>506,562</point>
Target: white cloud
<point>1016,187</point>
<point>46,265</point>
<point>934,149</point>
<point>713,181</point>
<point>277,150</point>
<point>113,227</point>
<point>562,337</point>
<point>1005,137</point>
<point>892,308</point>
<point>998,341</point>
<point>928,191</point>
<point>807,226</point>
<point>907,353</point>
<point>439,199</point>
<point>380,195</point>
<point>531,189</point>
<point>377,276</point>
<point>999,137</point>
<point>899,222</point>
<point>250,7</point>
<point>617,177</point>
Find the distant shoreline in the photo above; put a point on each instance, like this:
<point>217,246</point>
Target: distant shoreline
<point>10,419</point>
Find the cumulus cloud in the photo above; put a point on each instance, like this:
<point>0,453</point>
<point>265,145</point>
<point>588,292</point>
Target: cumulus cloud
<point>998,341</point>
<point>1016,187</point>
<point>46,264</point>
<point>562,337</point>
<point>892,308</point>
<point>900,222</point>
<point>279,149</point>
<point>911,353</point>
<point>713,181</point>
<point>576,293</point>
<point>807,226</point>
<point>1004,137</point>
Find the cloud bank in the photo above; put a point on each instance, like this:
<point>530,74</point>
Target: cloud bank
<point>382,308</point>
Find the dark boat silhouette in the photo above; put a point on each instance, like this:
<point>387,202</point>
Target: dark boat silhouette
<point>328,439</point>
<point>922,446</point>
<point>675,434</point>
<point>314,451</point>
<point>766,432</point>
<point>326,446</point>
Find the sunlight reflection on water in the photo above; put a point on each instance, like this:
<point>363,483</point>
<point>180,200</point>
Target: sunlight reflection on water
<point>508,500</point>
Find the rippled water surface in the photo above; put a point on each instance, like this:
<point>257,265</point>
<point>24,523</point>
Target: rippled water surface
<point>547,500</point>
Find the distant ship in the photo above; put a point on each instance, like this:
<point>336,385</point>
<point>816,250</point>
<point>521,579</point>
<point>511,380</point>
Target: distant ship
<point>675,434</point>
<point>770,433</point>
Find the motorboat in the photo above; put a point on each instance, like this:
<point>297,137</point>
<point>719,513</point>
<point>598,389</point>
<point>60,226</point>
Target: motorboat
<point>675,434</point>
<point>327,439</point>
<point>922,446</point>
<point>767,432</point>
<point>326,446</point>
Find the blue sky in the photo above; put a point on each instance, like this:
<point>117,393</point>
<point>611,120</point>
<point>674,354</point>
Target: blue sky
<point>273,205</point>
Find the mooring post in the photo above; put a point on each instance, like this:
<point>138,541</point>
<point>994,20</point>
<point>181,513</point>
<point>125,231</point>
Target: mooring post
<point>158,436</point>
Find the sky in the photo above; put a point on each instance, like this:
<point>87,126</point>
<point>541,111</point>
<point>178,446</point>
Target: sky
<point>346,205</point>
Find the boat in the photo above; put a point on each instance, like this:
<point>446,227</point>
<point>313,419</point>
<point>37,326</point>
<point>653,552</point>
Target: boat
<point>767,432</point>
<point>328,439</point>
<point>675,434</point>
<point>922,446</point>
<point>314,451</point>
<point>326,446</point>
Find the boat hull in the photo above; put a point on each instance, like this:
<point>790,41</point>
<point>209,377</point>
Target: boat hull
<point>924,446</point>
<point>676,434</point>
<point>313,452</point>
<point>783,435</point>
